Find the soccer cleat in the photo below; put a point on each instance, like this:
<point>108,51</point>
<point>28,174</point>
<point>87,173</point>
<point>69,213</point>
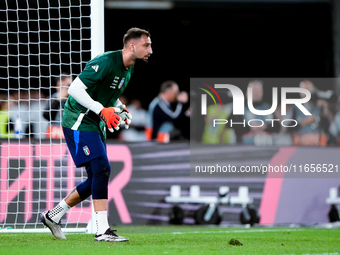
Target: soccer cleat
<point>110,236</point>
<point>54,227</point>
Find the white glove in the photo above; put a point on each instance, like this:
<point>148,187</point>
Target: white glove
<point>125,116</point>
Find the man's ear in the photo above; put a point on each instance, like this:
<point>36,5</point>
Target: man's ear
<point>132,46</point>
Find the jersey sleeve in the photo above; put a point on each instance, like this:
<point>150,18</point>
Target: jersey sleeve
<point>95,71</point>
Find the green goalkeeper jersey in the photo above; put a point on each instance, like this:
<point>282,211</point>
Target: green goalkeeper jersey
<point>105,77</point>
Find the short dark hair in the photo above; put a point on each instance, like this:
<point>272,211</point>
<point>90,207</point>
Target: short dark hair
<point>134,33</point>
<point>167,85</point>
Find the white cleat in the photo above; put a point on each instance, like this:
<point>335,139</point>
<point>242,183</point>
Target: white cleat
<point>110,236</point>
<point>54,227</point>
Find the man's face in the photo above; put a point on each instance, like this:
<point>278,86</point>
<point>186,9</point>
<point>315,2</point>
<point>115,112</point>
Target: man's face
<point>64,84</point>
<point>173,93</point>
<point>257,91</point>
<point>306,85</point>
<point>142,48</point>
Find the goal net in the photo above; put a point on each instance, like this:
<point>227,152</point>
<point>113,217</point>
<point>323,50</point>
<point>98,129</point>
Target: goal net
<point>43,45</point>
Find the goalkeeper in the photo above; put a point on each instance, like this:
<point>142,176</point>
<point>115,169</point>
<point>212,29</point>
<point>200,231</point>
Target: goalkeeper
<point>92,105</point>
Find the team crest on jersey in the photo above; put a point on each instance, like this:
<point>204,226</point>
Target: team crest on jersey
<point>86,150</point>
<point>121,83</point>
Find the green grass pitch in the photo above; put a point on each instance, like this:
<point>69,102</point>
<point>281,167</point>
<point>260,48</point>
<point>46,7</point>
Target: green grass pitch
<point>180,240</point>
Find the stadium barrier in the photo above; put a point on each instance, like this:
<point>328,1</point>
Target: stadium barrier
<point>34,177</point>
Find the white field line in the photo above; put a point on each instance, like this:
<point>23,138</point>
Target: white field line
<point>326,253</point>
<point>335,253</point>
<point>41,230</point>
<point>237,231</point>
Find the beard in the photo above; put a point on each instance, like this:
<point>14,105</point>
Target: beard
<point>142,61</point>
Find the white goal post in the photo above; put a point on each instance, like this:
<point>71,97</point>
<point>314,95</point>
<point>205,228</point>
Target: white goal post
<point>41,42</point>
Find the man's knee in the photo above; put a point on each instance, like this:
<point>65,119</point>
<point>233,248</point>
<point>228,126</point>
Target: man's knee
<point>101,173</point>
<point>85,188</point>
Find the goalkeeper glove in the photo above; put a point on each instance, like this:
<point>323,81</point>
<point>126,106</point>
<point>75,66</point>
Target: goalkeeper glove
<point>125,116</point>
<point>111,118</point>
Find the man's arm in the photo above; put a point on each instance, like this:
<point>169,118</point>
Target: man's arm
<point>167,114</point>
<point>78,91</point>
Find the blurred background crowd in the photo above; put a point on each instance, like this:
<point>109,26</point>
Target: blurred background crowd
<point>33,114</point>
<point>321,128</point>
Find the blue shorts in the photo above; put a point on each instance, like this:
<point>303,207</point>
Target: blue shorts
<point>83,145</point>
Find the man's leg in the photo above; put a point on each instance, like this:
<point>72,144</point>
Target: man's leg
<point>101,173</point>
<point>73,198</point>
<point>100,205</point>
<point>51,218</point>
